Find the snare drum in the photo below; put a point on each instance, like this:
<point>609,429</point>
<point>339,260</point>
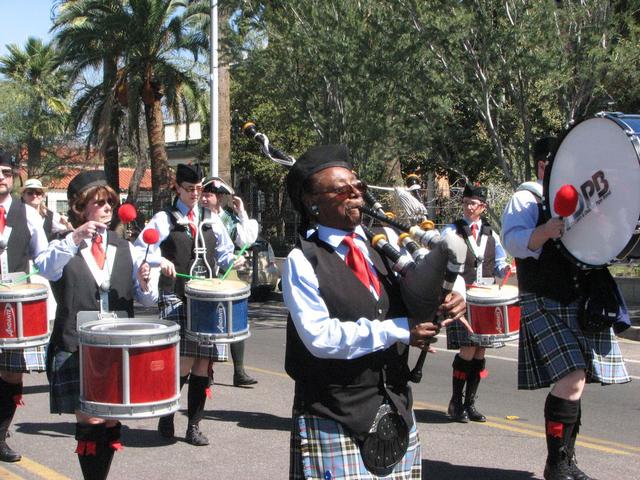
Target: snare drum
<point>129,368</point>
<point>494,314</point>
<point>217,311</point>
<point>23,316</point>
<point>600,157</point>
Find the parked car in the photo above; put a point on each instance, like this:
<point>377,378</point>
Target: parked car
<point>260,269</point>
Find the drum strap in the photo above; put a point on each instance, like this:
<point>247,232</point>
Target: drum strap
<point>4,256</point>
<point>533,187</point>
<point>477,251</point>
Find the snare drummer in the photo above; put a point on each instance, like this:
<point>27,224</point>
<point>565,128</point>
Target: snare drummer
<point>485,259</point>
<point>553,349</point>
<point>175,254</point>
<point>22,238</point>
<point>91,268</point>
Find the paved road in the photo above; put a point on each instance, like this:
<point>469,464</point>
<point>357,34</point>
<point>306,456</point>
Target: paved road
<point>249,427</point>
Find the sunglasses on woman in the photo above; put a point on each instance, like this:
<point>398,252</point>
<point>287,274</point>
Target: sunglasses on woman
<point>37,193</point>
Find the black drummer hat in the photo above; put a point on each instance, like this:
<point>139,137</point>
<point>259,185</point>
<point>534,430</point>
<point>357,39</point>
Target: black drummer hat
<point>84,180</point>
<point>544,148</point>
<point>189,173</point>
<point>475,191</point>
<point>314,160</point>
<point>7,159</point>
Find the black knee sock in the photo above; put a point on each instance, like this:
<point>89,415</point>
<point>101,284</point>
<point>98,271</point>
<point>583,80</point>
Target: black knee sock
<point>237,355</point>
<point>196,398</point>
<point>10,394</point>
<point>461,369</point>
<point>94,450</point>
<point>560,417</point>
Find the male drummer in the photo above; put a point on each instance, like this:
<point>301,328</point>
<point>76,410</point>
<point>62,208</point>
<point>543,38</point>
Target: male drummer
<point>175,254</point>
<point>553,348</point>
<point>22,238</point>
<point>485,259</point>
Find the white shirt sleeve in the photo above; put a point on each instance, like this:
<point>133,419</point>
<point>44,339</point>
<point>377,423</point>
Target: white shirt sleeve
<point>327,337</point>
<point>519,220</point>
<point>150,298</point>
<point>246,230</point>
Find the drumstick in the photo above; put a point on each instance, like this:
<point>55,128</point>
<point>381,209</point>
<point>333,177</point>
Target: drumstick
<point>184,275</point>
<point>242,250</point>
<point>566,200</point>
<point>506,277</point>
<point>20,279</point>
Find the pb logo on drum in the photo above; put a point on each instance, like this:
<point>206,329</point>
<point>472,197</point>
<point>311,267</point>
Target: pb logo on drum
<point>592,192</point>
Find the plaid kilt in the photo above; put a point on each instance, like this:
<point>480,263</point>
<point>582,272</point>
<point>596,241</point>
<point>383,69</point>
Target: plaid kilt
<point>458,336</point>
<point>320,446</point>
<point>172,308</point>
<point>553,345</point>
<point>64,380</point>
<point>23,360</point>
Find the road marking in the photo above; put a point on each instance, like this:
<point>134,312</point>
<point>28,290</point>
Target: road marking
<point>592,443</point>
<point>39,470</point>
<point>7,475</point>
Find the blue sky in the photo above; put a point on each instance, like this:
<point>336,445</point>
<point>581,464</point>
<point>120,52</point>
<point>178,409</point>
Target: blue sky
<point>20,19</point>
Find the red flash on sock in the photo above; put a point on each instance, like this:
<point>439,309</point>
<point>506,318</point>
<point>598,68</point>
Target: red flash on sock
<point>116,445</point>
<point>484,373</point>
<point>17,399</point>
<point>555,429</point>
<point>208,392</point>
<point>459,375</point>
<point>86,448</point>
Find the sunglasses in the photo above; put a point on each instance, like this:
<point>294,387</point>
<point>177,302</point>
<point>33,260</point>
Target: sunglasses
<point>102,202</point>
<point>37,193</point>
<point>6,172</point>
<point>344,190</point>
<point>472,203</point>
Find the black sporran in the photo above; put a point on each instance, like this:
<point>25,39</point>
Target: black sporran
<point>602,307</point>
<point>386,443</point>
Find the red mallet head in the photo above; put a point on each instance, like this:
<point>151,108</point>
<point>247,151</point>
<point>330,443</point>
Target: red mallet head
<point>127,213</point>
<point>151,236</point>
<point>566,201</point>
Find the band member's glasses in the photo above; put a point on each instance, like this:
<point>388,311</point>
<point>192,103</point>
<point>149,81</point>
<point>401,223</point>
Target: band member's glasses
<point>6,172</point>
<point>35,193</point>
<point>345,190</point>
<point>191,189</point>
<point>102,202</point>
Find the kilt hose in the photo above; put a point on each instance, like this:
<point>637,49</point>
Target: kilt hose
<point>551,345</point>
<point>320,445</point>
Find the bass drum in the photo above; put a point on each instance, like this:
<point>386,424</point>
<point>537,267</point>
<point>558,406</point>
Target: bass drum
<point>600,157</point>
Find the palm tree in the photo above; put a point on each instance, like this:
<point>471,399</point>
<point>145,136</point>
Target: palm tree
<point>36,71</point>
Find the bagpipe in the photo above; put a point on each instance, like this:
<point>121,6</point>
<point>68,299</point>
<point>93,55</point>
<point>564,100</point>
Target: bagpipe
<point>426,275</point>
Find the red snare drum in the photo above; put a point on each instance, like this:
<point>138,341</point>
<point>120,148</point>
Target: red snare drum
<point>23,316</point>
<point>129,368</point>
<point>494,314</point>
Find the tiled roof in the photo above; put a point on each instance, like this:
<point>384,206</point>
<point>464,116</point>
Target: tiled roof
<point>126,174</point>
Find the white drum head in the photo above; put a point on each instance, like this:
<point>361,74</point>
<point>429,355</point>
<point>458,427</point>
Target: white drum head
<point>601,161</point>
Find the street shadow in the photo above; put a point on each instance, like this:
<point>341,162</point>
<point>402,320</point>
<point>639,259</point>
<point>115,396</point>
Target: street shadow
<point>252,420</point>
<point>30,389</point>
<point>431,416</point>
<point>48,429</point>
<point>146,437</point>
<point>433,470</point>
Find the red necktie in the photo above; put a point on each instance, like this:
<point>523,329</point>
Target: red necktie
<point>474,230</point>
<point>356,261</point>
<point>3,219</point>
<point>192,227</point>
<point>98,251</point>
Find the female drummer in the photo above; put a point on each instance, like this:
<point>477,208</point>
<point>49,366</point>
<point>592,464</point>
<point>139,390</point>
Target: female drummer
<point>485,258</point>
<point>553,348</point>
<point>175,254</point>
<point>91,268</point>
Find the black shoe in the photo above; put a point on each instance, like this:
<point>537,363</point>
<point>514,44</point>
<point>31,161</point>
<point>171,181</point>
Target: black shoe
<point>558,471</point>
<point>165,427</point>
<point>8,455</point>
<point>196,437</point>
<point>457,412</point>
<point>242,380</point>
<point>474,415</point>
<point>576,473</point>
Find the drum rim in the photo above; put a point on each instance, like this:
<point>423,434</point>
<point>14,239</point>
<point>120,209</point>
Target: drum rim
<point>8,296</point>
<point>154,337</point>
<point>614,117</point>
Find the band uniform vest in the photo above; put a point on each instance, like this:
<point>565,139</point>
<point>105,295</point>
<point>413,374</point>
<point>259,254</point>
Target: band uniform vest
<point>18,254</point>
<point>471,262</point>
<point>48,225</point>
<point>77,290</point>
<point>178,247</point>
<point>350,391</point>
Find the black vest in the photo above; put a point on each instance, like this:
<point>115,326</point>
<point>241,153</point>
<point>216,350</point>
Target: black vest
<point>471,262</point>
<point>76,290</point>
<point>552,275</point>
<point>350,391</point>
<point>178,248</point>
<point>48,225</point>
<point>18,246</point>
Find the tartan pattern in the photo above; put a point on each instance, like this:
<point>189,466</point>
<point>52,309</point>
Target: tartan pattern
<point>553,345</point>
<point>172,308</point>
<point>64,380</point>
<point>320,445</point>
<point>457,336</point>
<point>23,360</point>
